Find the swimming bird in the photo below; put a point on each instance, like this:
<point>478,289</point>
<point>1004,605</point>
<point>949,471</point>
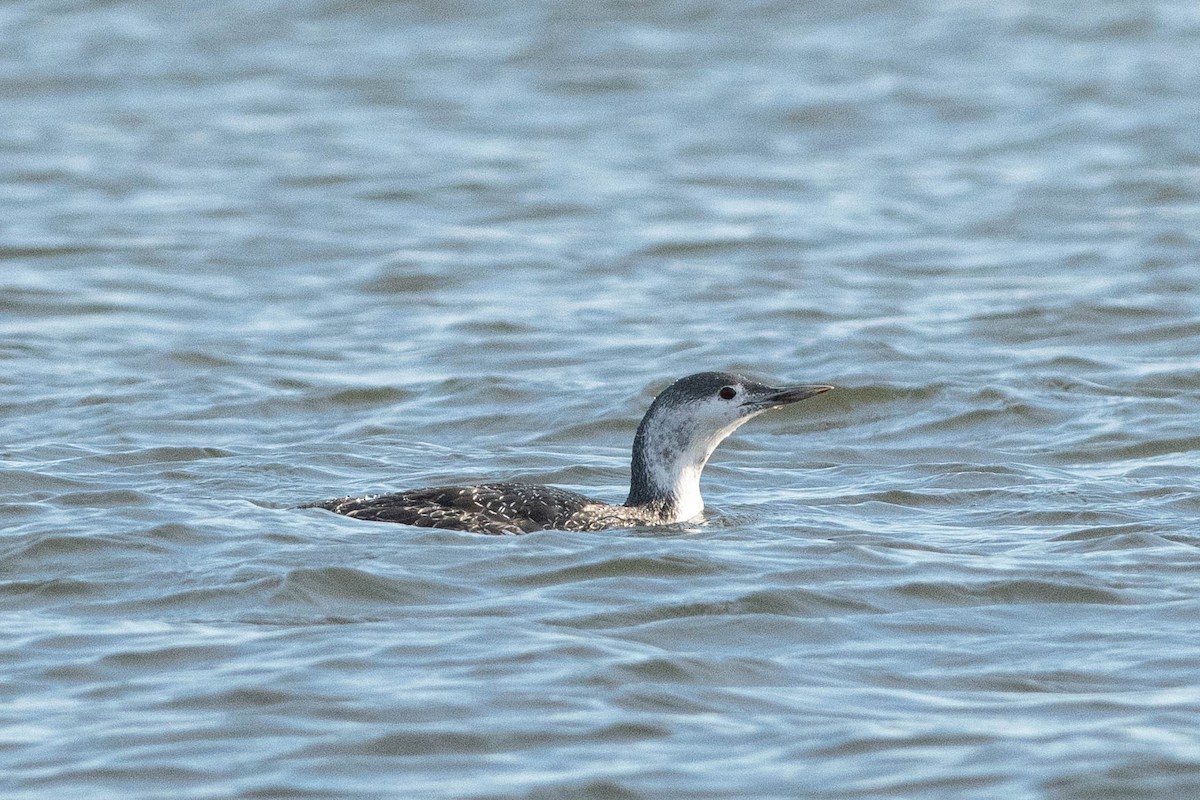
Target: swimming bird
<point>682,427</point>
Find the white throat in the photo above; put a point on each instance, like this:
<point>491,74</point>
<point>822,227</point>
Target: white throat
<point>684,487</point>
<point>674,452</point>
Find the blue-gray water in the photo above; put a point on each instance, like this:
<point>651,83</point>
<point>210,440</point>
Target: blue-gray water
<point>257,254</point>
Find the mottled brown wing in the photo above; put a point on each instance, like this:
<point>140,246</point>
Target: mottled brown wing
<point>496,508</point>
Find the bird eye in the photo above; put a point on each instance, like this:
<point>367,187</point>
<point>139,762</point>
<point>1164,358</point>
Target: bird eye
<point>727,393</point>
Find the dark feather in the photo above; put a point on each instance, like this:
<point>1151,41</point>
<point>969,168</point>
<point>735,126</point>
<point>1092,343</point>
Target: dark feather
<point>497,508</point>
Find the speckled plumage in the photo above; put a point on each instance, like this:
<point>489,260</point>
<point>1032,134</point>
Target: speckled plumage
<point>680,430</point>
<point>498,508</point>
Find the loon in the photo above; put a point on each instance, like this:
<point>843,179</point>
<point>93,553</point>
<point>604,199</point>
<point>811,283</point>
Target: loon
<point>682,427</point>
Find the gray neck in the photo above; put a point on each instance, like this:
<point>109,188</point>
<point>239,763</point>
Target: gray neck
<point>667,462</point>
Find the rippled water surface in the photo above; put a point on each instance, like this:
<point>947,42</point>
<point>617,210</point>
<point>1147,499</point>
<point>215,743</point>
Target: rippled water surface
<point>258,254</point>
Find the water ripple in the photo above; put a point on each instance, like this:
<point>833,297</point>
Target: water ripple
<point>251,261</point>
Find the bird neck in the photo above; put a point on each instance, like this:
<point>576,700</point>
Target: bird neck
<point>665,473</point>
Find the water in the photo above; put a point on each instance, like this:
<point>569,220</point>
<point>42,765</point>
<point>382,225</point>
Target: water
<point>258,254</point>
